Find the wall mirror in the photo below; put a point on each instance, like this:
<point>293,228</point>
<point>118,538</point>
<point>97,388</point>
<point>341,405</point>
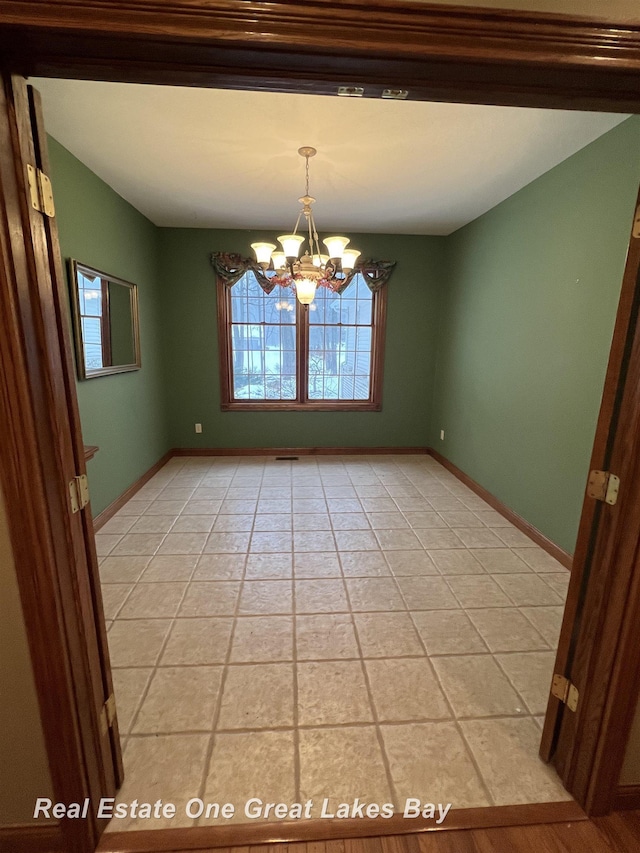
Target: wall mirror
<point>105,319</point>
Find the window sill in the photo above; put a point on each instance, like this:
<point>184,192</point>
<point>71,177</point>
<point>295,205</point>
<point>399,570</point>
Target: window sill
<point>284,406</point>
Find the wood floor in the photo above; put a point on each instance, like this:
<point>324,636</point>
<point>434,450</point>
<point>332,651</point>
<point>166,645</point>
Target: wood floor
<point>618,833</point>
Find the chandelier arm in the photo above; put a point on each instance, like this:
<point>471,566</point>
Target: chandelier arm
<point>295,230</point>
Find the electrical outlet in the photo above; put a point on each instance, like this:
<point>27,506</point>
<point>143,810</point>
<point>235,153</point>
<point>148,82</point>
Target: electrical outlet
<point>198,427</point>
<point>441,435</point>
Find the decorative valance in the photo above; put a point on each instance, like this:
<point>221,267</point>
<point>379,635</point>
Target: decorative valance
<point>230,267</point>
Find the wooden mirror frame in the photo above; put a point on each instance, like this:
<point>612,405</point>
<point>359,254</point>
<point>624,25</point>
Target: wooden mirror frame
<point>74,268</point>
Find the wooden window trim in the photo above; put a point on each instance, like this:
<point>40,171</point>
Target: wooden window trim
<point>301,403</point>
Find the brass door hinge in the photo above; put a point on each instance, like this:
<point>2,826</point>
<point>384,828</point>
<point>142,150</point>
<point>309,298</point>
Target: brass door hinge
<point>635,232</point>
<point>565,691</point>
<point>108,714</point>
<point>79,492</point>
<point>40,191</point>
<point>603,486</point>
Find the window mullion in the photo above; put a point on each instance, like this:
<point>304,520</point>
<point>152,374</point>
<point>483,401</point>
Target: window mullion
<point>302,322</point>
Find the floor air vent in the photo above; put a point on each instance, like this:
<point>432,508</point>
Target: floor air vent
<point>287,458</point>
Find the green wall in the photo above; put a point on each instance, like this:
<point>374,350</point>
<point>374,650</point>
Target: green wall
<point>189,304</point>
<point>528,314</point>
<point>123,414</point>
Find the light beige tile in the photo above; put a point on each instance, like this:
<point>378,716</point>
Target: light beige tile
<point>356,540</point>
<point>501,561</point>
<point>374,594</point>
<point>266,597</point>
<point>268,567</point>
<point>193,524</point>
<point>203,507</point>
<point>137,642</point>
<point>197,642</point>
<point>379,504</point>
<point>257,696</point>
<point>152,600</point>
<point>325,595</point>
<point>325,635</point>
<point>210,598</point>
<point>478,591</point>
<point>387,521</point>
<point>432,757</point>
<point>114,596</point>
<point>169,568</point>
<point>219,567</point>
<point>364,564</point>
<point>432,538</point>
<point>183,543</point>
<point>313,541</point>
<point>476,686</point>
<point>277,506</point>
<point>527,590</point>
<point>310,505</point>
<point>446,501</point>
<point>455,561</point>
<point>505,629</point>
<point>539,560</point>
<point>134,508</point>
<point>153,524</point>
<point>547,620</point>
<point>262,639</point>
<point>340,505</point>
<point>119,524</point>
<point>227,543</point>
<point>270,542</point>
<point>479,537</point>
<point>128,687</point>
<point>387,635</point>
<point>175,493</point>
<point>427,519</point>
<point>160,507</point>
<point>493,519</point>
<point>180,699</point>
<point>342,764</point>
<point>460,518</point>
<point>398,540</point>
<point>410,563</point>
<point>331,692</point>
<point>106,542</point>
<point>273,522</point>
<point>311,521</point>
<point>122,569</point>
<point>167,768</point>
<point>427,593</point>
<point>350,521</point>
<point>233,523</point>
<point>405,689</point>
<point>340,492</point>
<point>558,581</point>
<point>267,765</point>
<point>322,564</point>
<point>448,632</point>
<point>530,673</point>
<point>515,538</point>
<point>507,754</point>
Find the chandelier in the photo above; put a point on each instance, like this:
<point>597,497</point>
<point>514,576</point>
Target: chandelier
<point>313,268</point>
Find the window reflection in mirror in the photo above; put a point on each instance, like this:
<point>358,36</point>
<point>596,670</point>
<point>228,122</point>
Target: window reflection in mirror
<point>105,322</point>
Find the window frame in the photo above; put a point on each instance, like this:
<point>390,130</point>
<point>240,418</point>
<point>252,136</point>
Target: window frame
<point>301,402</point>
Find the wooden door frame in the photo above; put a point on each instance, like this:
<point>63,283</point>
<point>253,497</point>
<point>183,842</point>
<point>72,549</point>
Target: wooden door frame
<point>438,53</point>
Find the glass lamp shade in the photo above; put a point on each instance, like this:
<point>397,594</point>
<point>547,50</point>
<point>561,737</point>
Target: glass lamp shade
<point>320,260</point>
<point>305,290</point>
<point>336,246</point>
<point>291,244</point>
<point>263,253</point>
<point>279,260</point>
<point>349,259</point>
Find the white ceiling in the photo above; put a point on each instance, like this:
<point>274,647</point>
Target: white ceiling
<point>222,159</point>
<point>623,10</point>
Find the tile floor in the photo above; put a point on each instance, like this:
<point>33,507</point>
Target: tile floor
<point>331,627</point>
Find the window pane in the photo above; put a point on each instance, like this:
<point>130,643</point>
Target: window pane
<point>340,338</point>
<point>263,341</point>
